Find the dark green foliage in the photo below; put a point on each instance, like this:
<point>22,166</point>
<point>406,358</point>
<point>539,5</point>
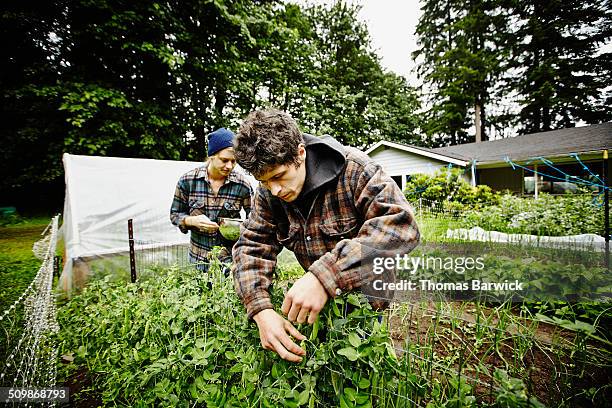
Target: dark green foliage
<point>560,72</point>
<point>531,65</point>
<point>147,79</point>
<point>459,61</point>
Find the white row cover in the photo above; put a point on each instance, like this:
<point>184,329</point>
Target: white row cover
<point>591,242</point>
<point>102,193</point>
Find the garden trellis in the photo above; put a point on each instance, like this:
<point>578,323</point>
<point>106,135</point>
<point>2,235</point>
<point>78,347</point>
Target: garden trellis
<point>444,350</point>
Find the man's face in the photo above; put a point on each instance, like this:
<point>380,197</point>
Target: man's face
<point>223,162</point>
<point>286,181</point>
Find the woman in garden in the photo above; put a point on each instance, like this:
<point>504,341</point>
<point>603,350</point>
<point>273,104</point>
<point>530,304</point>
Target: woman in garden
<point>206,193</point>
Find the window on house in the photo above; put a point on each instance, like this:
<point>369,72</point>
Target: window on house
<point>398,180</point>
<point>562,179</point>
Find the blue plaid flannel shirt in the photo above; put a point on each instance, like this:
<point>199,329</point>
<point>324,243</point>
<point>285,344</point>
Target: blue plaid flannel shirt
<point>194,196</point>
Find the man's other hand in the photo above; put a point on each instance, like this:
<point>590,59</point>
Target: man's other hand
<point>202,223</point>
<point>305,299</point>
<point>274,333</point>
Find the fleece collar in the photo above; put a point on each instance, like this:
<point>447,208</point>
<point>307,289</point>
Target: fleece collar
<point>325,159</point>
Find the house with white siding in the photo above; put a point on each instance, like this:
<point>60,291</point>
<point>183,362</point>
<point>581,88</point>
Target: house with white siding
<point>400,161</point>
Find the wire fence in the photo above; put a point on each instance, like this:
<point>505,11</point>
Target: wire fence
<point>460,344</point>
<point>454,343</point>
<point>471,341</point>
<point>32,358</point>
<point>522,225</point>
<point>151,254</point>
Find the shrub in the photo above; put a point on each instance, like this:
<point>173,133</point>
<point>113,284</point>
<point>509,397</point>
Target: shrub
<point>10,218</point>
<point>570,214</point>
<point>448,185</point>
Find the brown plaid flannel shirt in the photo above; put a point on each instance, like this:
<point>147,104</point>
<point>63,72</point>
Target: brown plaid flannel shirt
<point>360,214</point>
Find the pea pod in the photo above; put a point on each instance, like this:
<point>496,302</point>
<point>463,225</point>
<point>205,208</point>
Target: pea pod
<point>146,330</point>
<point>315,330</point>
<point>303,345</point>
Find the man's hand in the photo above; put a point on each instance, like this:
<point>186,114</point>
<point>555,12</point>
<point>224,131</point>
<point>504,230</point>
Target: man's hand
<point>273,332</point>
<point>202,223</point>
<point>305,299</point>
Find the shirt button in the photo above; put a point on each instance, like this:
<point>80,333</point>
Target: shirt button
<point>338,291</point>
<point>309,238</point>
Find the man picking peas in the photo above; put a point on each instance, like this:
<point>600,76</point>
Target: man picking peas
<point>330,204</point>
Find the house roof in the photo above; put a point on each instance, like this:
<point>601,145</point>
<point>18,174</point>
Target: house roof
<point>545,144</point>
<point>422,151</point>
<point>555,143</point>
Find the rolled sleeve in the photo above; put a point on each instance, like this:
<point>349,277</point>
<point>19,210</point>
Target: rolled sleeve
<point>329,274</point>
<point>389,228</point>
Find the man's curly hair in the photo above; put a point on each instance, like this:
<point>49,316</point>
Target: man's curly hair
<point>266,139</point>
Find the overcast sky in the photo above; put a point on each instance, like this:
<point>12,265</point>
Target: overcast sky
<point>391,24</point>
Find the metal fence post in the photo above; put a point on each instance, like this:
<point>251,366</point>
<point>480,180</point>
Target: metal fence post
<point>132,257</point>
<point>56,261</point>
<point>606,207</point>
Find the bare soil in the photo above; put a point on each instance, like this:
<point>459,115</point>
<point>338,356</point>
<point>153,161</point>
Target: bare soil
<point>556,365</point>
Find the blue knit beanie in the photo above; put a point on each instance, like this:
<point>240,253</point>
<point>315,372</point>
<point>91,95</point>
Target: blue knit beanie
<point>219,140</point>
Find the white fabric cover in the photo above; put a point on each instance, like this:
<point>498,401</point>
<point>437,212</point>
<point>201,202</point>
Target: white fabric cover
<point>102,193</point>
<point>583,241</point>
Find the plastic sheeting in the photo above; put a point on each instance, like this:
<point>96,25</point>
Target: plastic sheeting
<point>583,241</point>
<point>102,193</point>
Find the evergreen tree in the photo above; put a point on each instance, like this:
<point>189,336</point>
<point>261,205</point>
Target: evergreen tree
<point>459,62</point>
<point>558,72</point>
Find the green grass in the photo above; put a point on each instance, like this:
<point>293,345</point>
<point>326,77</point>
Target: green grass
<point>434,228</point>
<point>18,266</point>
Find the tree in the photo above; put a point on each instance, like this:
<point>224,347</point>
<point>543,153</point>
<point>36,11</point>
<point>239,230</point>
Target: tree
<point>353,98</point>
<point>149,79</point>
<point>558,70</point>
<point>542,58</point>
<point>459,54</point>
<point>32,131</point>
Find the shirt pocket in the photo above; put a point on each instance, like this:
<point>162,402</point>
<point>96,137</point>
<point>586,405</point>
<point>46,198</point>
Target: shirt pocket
<point>196,207</point>
<point>230,209</point>
<point>286,235</point>
<point>340,228</point>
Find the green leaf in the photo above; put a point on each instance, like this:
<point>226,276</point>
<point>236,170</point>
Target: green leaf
<point>350,393</point>
<point>363,383</point>
<point>303,398</point>
<point>350,353</point>
<point>354,339</point>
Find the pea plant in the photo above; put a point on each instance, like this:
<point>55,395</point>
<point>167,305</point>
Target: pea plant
<point>180,337</point>
<point>183,338</point>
